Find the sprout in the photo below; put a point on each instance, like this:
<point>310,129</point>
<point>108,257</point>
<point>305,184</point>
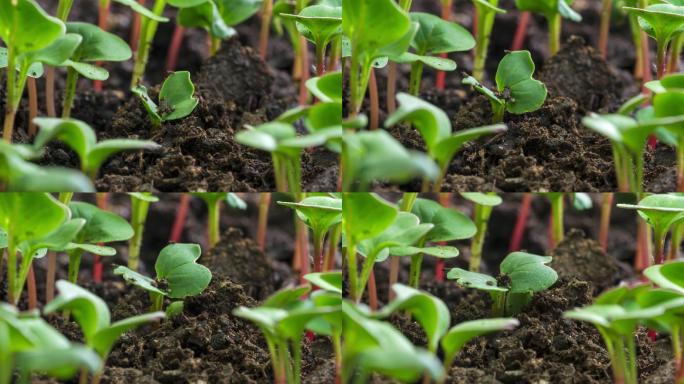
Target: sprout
<point>375,29</point>
<point>669,104</point>
<point>435,128</point>
<point>616,315</point>
<point>31,36</point>
<point>484,203</point>
<point>522,274</point>
<point>320,24</point>
<point>81,138</point>
<point>518,91</point>
<point>557,208</point>
<point>552,10</point>
<point>329,281</point>
<point>176,99</point>
<point>283,319</point>
<point>321,214</point>
<point>662,22</point>
<point>448,225</point>
<point>660,212</point>
<point>96,45</point>
<point>100,227</point>
<point>178,275</point>
<point>213,201</point>
<point>30,344</point>
<point>92,315</point>
<point>140,204</point>
<point>486,12</point>
<point>434,36</point>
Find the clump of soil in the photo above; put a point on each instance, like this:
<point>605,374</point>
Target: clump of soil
<point>583,258</point>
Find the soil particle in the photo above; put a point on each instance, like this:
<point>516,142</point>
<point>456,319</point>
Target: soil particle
<point>583,258</point>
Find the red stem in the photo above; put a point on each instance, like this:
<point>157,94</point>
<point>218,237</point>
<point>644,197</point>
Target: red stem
<point>372,292</point>
<point>521,221</point>
<point>32,291</point>
<point>303,94</point>
<point>606,207</point>
<point>179,220</point>
<point>441,75</point>
<point>103,23</point>
<point>33,105</point>
<point>374,101</point>
<point>176,41</point>
<point>135,29</point>
<point>521,31</point>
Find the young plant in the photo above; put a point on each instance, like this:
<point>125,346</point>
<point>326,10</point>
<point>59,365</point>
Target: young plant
<point>148,29</point>
<point>522,274</point>
<point>616,315</point>
<point>321,214</point>
<point>283,320</point>
<point>374,346</point>
<point>434,36</point>
<point>176,99</point>
<point>517,91</point>
<point>435,128</point>
<point>484,204</point>
<point>100,227</point>
<point>448,225</point>
<point>375,29</point>
<point>92,315</point>
<point>178,275</point>
<point>96,45</point>
<point>80,137</point>
<point>660,212</point>
<point>320,24</point>
<point>377,156</point>
<point>213,201</point>
<point>486,12</point>
<point>31,36</point>
<point>140,205</point>
<point>669,104</point>
<point>662,22</point>
<point>31,345</point>
<point>553,11</point>
<point>557,208</point>
<point>330,281</point>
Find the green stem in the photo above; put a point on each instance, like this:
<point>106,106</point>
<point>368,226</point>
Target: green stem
<point>366,271</point>
<point>297,357</point>
<point>215,46</point>
<point>157,301</point>
<point>6,368</point>
<point>416,263</point>
<point>676,336</point>
<point>139,210</point>
<point>213,225</point>
<point>631,367</point>
<point>498,111</point>
<point>416,77</point>
<point>320,59</point>
<point>294,174</point>
<point>352,271</point>
<point>558,229</point>
<point>638,49</point>
<point>318,239</point>
<point>484,31</point>
<point>69,92</point>
<point>75,256</point>
<point>148,29</point>
<point>661,57</point>
<point>554,33</point>
<point>11,270</point>
<point>64,8</point>
<point>675,52</point>
<point>659,245</point>
<point>337,348</point>
<point>498,303</point>
<point>482,213</point>
<point>11,104</point>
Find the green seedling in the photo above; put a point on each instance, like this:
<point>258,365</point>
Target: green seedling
<point>326,88</point>
<point>96,45</point>
<point>281,140</point>
<point>670,82</point>
<point>660,212</point>
<point>616,315</point>
<point>80,137</point>
<point>557,200</point>
<point>517,91</point>
<point>31,36</point>
<point>364,216</point>
<point>92,315</point>
<point>377,156</point>
<point>213,201</point>
<point>448,225</point>
<point>406,230</point>
<point>176,99</point>
<point>553,11</point>
<point>321,214</point>
<point>669,104</point>
<point>18,174</point>
<point>486,12</point>
<point>522,274</point>
<point>178,275</point>
<point>374,29</point>
<point>330,281</point>
<point>434,36</point>
<point>150,20</point>
<point>329,324</point>
<point>484,204</point>
<point>374,346</point>
<point>320,24</point>
<point>32,222</point>
<point>283,323</point>
<point>662,22</point>
<point>100,227</point>
<point>435,128</point>
<point>31,345</point>
<point>140,205</point>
